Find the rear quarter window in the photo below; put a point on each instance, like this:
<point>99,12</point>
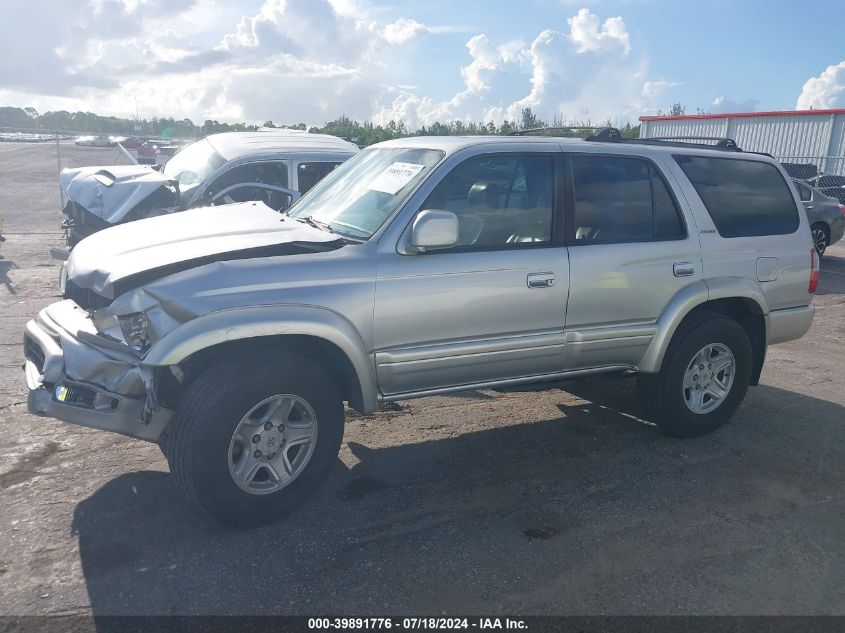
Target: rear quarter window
<point>744,198</point>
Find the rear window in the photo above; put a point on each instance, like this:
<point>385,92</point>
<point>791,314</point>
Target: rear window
<point>744,197</point>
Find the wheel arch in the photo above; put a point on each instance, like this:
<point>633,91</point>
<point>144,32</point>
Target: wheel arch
<point>314,332</point>
<point>737,298</point>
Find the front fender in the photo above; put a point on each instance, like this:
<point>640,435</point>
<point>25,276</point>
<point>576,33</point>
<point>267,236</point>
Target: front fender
<point>269,320</point>
<point>689,298</point>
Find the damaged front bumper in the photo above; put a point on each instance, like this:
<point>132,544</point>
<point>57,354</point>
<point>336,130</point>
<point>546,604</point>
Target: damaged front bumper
<point>75,375</point>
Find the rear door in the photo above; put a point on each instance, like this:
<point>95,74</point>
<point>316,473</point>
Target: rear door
<point>309,173</point>
<point>750,224</point>
<point>631,251</point>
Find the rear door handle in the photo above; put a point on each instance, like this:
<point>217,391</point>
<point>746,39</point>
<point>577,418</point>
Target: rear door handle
<point>541,280</point>
<point>683,269</point>
<point>809,207</point>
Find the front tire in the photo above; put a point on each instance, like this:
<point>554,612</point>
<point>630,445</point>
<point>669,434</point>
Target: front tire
<point>703,380</point>
<point>254,437</point>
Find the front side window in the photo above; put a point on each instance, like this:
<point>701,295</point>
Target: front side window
<point>192,165</point>
<point>265,172</point>
<point>251,192</point>
<point>743,197</point>
<point>358,197</point>
<point>500,200</point>
<point>619,199</point>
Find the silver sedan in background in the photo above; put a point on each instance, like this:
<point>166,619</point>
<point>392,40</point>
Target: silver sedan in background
<point>826,215</point>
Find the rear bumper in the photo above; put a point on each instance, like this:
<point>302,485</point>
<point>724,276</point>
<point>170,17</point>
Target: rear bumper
<point>78,382</point>
<point>786,325</point>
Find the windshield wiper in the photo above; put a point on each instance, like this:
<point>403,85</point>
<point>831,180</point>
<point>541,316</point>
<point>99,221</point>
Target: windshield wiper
<point>323,226</point>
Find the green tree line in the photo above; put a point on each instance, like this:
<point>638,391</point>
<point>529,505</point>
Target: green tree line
<point>363,133</point>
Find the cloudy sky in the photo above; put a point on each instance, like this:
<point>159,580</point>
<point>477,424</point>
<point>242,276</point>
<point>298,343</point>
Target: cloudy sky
<point>312,60</point>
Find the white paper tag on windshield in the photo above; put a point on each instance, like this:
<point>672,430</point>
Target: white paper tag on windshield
<point>396,176</point>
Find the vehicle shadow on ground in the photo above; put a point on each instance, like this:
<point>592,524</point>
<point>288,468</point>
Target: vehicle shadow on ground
<point>5,266</point>
<point>453,525</point>
<point>832,278</point>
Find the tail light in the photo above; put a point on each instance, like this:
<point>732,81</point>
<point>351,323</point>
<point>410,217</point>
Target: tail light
<point>814,271</point>
<point>842,209</point>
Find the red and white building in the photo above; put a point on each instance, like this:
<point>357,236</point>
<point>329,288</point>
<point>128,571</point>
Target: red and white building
<point>797,136</point>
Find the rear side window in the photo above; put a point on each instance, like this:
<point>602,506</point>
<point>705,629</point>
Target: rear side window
<point>309,174</point>
<point>620,199</point>
<point>804,192</point>
<point>745,198</point>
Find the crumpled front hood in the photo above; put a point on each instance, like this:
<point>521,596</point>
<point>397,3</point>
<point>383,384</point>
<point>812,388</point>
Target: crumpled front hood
<point>129,255</point>
<point>110,192</point>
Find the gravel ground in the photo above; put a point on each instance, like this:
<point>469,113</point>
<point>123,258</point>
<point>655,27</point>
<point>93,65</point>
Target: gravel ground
<point>558,501</point>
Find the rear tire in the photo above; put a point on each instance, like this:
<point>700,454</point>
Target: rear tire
<point>200,438</point>
<point>665,395</point>
<point>821,237</point>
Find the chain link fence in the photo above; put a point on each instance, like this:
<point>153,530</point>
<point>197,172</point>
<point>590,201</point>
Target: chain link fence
<point>825,173</point>
<point>30,163</point>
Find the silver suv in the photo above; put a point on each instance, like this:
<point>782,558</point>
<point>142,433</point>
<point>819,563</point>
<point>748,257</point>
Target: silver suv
<point>424,266</point>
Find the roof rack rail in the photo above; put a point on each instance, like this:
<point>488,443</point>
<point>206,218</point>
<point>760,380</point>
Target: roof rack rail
<point>606,134</point>
<point>534,130</point>
<point>721,142</point>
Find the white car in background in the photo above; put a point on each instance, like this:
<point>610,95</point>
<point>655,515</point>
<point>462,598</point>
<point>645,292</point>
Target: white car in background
<point>96,141</point>
<point>274,167</point>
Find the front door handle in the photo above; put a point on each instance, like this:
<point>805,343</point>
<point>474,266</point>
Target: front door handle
<point>541,280</point>
<point>683,269</point>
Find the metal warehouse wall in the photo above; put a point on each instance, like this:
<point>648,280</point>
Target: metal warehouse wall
<point>817,135</point>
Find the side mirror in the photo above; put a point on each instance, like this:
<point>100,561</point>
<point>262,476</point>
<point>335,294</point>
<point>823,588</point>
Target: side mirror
<point>434,228</point>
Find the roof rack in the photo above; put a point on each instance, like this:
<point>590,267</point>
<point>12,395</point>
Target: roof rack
<point>721,142</point>
<point>605,134</point>
<point>534,130</point>
<point>612,135</point>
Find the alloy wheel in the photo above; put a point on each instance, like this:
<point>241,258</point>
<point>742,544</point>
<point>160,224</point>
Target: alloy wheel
<point>272,444</point>
<point>819,240</point>
<point>708,378</point>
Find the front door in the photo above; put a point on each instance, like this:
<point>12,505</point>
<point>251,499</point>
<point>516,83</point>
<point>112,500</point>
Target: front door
<point>491,307</point>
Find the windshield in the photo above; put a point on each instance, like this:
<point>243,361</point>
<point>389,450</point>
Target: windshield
<point>357,198</point>
<point>192,165</point>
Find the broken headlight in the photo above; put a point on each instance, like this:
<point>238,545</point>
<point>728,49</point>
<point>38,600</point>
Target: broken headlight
<point>134,327</point>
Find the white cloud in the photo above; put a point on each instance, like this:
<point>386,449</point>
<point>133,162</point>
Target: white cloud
<point>656,88</point>
<point>307,61</point>
<point>825,91</point>
<point>403,30</point>
<point>722,105</point>
<point>589,37</point>
<point>587,72</point>
<point>291,60</point>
